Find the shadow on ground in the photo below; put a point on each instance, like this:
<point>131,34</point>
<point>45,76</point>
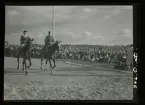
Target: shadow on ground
<point>88,75</point>
<point>90,69</point>
<point>60,72</point>
<point>20,71</point>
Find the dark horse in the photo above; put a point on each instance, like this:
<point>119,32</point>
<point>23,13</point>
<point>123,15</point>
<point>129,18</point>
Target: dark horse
<point>7,50</point>
<point>48,53</point>
<point>25,53</point>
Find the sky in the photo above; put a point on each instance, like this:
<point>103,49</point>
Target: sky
<point>93,25</point>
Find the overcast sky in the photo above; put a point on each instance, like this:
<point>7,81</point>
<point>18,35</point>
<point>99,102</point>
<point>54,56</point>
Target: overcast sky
<point>103,25</point>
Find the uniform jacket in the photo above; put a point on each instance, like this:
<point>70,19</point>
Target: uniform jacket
<point>23,39</point>
<point>49,39</point>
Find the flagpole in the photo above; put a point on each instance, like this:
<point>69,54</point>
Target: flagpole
<point>53,27</point>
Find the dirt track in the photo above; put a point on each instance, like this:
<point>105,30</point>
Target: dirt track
<point>68,82</point>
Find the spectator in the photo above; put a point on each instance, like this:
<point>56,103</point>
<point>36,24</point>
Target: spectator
<point>104,54</point>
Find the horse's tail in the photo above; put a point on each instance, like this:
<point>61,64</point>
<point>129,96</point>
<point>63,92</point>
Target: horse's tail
<point>42,53</point>
<point>18,51</point>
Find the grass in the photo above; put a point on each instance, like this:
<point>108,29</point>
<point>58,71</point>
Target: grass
<point>74,88</point>
<point>92,88</point>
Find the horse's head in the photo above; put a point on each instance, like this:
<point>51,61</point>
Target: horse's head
<point>57,45</point>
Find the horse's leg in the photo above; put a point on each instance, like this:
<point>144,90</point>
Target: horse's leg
<point>18,62</point>
<point>30,63</point>
<point>50,65</point>
<point>46,63</point>
<point>41,63</point>
<point>129,67</point>
<point>18,56</point>
<point>24,65</point>
<point>63,57</point>
<point>54,63</point>
<point>42,53</point>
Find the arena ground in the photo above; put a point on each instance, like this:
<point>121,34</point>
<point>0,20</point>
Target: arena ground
<point>67,82</point>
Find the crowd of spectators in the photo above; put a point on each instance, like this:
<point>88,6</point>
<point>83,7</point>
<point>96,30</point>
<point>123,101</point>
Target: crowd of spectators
<point>93,53</point>
<point>103,54</point>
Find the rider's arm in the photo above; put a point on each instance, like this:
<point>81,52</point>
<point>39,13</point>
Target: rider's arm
<point>45,40</point>
<point>31,39</point>
<point>21,39</point>
<point>53,39</point>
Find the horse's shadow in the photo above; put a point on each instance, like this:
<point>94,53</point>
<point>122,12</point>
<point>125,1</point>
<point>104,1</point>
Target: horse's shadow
<point>12,70</point>
<point>16,71</point>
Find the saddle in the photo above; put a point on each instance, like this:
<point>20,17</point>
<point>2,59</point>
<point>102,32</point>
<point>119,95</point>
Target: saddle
<point>48,45</point>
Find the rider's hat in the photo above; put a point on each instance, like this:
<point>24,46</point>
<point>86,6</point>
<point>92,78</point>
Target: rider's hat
<point>48,32</point>
<point>25,31</point>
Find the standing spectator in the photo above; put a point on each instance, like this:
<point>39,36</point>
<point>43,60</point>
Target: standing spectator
<point>129,60</point>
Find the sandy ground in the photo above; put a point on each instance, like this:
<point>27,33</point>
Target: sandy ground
<point>68,82</point>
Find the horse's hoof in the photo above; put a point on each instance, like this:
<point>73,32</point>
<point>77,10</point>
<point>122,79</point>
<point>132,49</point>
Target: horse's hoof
<point>17,68</point>
<point>53,67</point>
<point>28,66</point>
<point>26,73</point>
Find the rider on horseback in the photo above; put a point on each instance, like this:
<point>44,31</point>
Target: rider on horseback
<point>25,49</point>
<point>49,40</point>
<point>24,38</point>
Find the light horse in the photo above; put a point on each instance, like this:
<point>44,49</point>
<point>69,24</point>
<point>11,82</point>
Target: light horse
<point>25,53</point>
<point>48,53</point>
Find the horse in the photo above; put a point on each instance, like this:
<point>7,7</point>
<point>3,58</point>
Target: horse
<point>48,54</point>
<point>7,50</point>
<point>25,53</point>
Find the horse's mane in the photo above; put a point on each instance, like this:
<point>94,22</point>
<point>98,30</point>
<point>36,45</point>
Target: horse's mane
<point>53,46</point>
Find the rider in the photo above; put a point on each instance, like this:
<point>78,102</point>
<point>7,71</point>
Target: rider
<point>49,40</point>
<point>22,42</point>
<point>23,38</point>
